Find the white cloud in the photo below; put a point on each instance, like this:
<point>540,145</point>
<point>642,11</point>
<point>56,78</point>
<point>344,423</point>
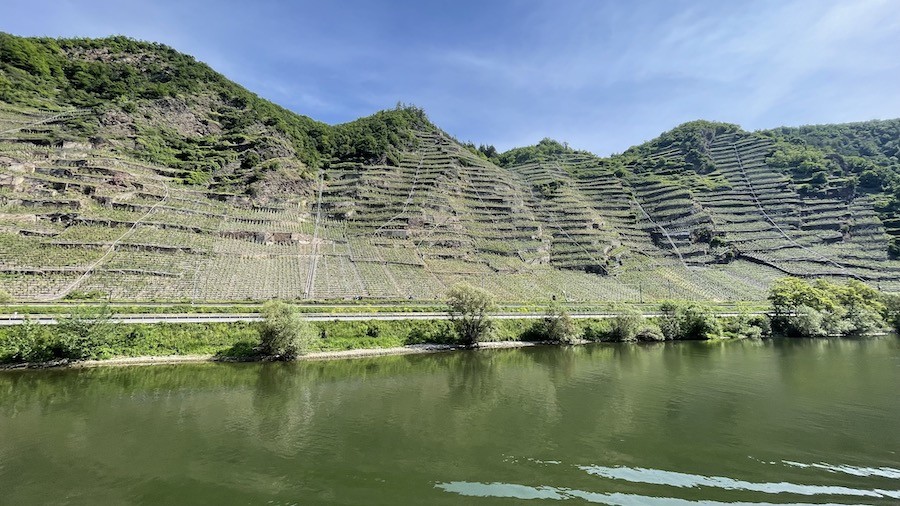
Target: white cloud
<point>602,75</point>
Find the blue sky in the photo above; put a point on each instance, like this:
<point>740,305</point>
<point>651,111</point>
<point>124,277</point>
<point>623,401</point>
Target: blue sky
<point>601,75</point>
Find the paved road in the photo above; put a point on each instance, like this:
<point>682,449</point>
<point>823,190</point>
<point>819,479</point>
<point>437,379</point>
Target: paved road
<point>252,317</point>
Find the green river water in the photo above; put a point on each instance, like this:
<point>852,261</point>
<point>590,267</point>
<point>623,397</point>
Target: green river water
<point>748,422</point>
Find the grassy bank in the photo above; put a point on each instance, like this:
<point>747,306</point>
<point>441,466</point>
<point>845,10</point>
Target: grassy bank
<point>799,309</point>
<point>41,343</point>
<point>37,343</point>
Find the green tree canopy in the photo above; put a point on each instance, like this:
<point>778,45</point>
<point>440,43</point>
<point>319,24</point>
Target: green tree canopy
<point>469,309</point>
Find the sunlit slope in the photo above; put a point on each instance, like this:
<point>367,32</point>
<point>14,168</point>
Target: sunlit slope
<point>79,219</point>
<point>733,204</point>
<point>151,177</point>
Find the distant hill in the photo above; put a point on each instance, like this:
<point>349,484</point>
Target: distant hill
<point>131,171</point>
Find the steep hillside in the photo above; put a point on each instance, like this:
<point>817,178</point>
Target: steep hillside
<point>131,171</point>
<point>152,103</point>
<point>740,191</point>
<point>857,158</point>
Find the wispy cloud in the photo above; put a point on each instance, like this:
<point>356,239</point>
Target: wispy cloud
<point>602,75</point>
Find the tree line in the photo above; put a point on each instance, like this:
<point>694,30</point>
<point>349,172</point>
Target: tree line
<point>798,308</point>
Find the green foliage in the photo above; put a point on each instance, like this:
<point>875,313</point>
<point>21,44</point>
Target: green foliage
<point>746,326</point>
<point>892,310</point>
<point>29,342</point>
<point>627,326</point>
<point>702,234</point>
<point>557,326</point>
<point>546,149</point>
<point>86,295</point>
<point>468,307</point>
<point>688,321</point>
<point>870,179</point>
<point>85,332</point>
<point>375,139</point>
<point>5,297</point>
<point>250,160</point>
<point>864,156</point>
<point>624,327</point>
<point>483,151</point>
<point>429,331</point>
<point>823,308</point>
<point>690,139</point>
<point>789,293</point>
<point>548,189</point>
<point>878,141</point>
<point>819,178</point>
<point>28,56</point>
<point>649,333</point>
<point>488,152</point>
<point>129,74</point>
<point>803,160</point>
<point>283,332</point>
<point>39,343</point>
<point>595,330</point>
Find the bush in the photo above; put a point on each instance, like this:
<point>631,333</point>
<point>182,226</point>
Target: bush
<point>468,308</point>
<point>762,323</point>
<point>862,319</point>
<point>823,308</point>
<point>809,322</point>
<point>625,326</point>
<point>717,242</point>
<point>819,179</point>
<point>88,295</point>
<point>870,179</point>
<point>557,326</point>
<point>751,326</point>
<point>430,331</point>
<point>5,297</point>
<point>892,310</point>
<point>596,331</point>
<point>688,321</point>
<point>85,333</point>
<point>28,342</point>
<point>649,333</point>
<point>283,333</point>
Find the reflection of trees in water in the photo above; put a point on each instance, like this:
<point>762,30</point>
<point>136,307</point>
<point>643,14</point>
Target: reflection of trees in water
<point>498,390</point>
<point>833,360</point>
<point>470,378</point>
<point>597,391</point>
<point>72,388</point>
<point>282,406</point>
<point>559,361</point>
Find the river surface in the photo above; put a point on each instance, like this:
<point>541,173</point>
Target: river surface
<point>749,422</point>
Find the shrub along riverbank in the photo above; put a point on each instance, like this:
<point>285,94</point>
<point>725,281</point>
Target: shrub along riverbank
<point>799,309</point>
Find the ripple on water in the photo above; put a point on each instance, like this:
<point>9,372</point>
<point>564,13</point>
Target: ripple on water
<point>883,472</point>
<point>685,480</point>
<point>659,477</point>
<point>525,492</point>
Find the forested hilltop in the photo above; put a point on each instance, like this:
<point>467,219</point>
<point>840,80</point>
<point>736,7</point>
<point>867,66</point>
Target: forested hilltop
<point>165,107</point>
<point>132,171</point>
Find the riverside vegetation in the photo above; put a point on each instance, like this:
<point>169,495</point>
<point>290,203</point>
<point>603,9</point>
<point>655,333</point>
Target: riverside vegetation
<point>799,308</point>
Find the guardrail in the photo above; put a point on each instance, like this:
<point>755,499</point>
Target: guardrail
<point>46,319</point>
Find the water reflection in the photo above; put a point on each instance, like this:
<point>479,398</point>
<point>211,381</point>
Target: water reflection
<point>484,424</point>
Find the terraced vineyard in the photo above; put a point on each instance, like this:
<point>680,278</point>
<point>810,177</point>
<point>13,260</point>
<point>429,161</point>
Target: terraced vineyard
<point>78,219</point>
<point>208,193</point>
